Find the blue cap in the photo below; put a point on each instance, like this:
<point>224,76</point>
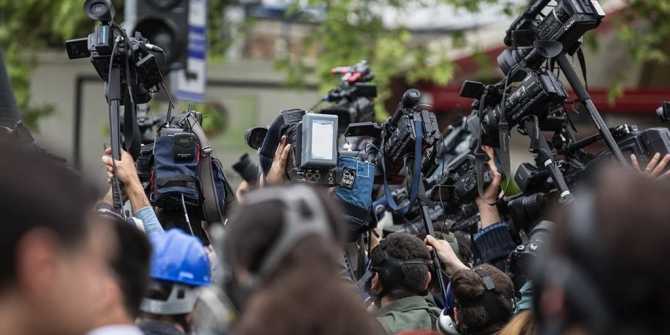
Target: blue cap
<point>180,258</point>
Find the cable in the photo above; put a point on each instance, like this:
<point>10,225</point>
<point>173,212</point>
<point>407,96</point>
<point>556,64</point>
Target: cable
<point>188,221</point>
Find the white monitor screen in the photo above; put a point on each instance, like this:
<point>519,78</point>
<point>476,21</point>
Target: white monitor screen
<point>323,132</point>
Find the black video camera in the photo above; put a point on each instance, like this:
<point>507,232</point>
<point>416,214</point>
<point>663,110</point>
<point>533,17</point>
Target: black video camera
<point>400,132</point>
<point>539,93</point>
<point>353,100</point>
<point>545,30</point>
<point>134,54</point>
<point>314,149</point>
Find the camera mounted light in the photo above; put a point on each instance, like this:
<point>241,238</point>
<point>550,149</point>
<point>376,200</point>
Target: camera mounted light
<point>100,10</point>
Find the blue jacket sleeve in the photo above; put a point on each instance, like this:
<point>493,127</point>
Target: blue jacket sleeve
<point>151,224</point>
<point>493,244</point>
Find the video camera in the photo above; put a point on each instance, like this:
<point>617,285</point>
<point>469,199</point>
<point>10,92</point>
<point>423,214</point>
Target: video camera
<point>109,44</point>
<point>353,100</point>
<point>314,149</point>
<point>413,126</point>
<point>544,31</point>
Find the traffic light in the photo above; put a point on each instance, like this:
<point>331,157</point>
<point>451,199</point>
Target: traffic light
<point>165,24</point>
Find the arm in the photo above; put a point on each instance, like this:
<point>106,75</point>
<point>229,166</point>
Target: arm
<point>494,241</point>
<point>486,203</point>
<point>127,174</point>
<point>446,254</point>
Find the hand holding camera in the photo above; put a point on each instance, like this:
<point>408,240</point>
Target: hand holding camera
<point>125,170</point>
<point>277,173</point>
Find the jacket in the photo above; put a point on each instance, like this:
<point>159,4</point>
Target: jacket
<point>410,313</point>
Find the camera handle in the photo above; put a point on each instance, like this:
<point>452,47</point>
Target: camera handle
<point>585,98</point>
<point>544,157</point>
<point>114,101</point>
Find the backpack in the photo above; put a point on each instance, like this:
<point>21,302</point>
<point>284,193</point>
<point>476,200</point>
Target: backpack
<point>186,173</point>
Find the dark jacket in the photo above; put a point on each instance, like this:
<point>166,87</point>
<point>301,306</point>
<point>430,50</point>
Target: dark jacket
<point>410,313</point>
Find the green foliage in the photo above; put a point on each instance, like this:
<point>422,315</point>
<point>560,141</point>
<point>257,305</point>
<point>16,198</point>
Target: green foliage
<point>27,26</point>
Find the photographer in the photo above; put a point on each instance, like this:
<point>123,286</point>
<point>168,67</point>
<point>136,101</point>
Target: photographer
<point>54,261</point>
<point>401,280</point>
<point>126,283</point>
<point>179,267</point>
<point>484,295</point>
<point>126,171</point>
<point>280,253</point>
<point>604,272</point>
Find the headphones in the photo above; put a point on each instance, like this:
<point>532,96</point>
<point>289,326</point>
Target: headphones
<point>391,269</point>
<point>580,291</point>
<point>303,214</point>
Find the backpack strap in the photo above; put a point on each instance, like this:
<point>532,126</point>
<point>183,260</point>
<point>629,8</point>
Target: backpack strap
<point>210,206</point>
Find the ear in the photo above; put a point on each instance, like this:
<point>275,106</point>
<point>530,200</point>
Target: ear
<point>429,278</point>
<point>37,262</point>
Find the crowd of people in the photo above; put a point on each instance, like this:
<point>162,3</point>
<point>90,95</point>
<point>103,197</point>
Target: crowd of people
<point>74,265</point>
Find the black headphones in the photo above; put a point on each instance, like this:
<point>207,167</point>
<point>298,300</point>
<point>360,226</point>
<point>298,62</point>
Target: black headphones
<point>303,215</point>
<point>391,269</point>
<point>581,294</point>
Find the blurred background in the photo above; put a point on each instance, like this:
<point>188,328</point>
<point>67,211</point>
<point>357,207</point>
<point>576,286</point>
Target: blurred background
<point>247,60</point>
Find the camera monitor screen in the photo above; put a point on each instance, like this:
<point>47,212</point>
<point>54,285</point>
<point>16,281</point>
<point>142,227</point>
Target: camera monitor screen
<point>319,140</point>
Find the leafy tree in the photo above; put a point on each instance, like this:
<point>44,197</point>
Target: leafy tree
<point>30,25</point>
<point>351,30</point>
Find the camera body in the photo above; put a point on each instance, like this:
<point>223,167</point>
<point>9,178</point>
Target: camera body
<point>642,143</point>
<point>314,149</point>
<point>401,135</point>
<point>99,45</point>
<point>539,93</point>
<point>565,23</point>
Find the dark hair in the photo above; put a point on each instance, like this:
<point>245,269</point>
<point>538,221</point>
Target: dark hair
<point>403,247</point>
<point>304,295</point>
<point>481,308</point>
<point>623,256</point>
<point>38,192</point>
<point>130,263</point>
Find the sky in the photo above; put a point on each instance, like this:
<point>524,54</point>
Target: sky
<point>434,17</point>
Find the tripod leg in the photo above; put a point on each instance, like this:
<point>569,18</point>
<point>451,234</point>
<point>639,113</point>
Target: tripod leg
<point>545,157</point>
<point>584,96</point>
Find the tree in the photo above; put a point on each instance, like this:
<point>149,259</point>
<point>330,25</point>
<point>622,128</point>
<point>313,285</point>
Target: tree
<point>27,26</point>
<point>351,30</point>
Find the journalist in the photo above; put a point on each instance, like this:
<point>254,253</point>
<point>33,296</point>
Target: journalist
<point>483,295</point>
<point>54,260</point>
<point>605,271</point>
<point>400,283</point>
<point>127,281</point>
<point>179,268</point>
<point>280,253</point>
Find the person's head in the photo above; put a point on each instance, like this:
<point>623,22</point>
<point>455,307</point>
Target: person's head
<point>179,267</point>
<point>484,299</point>
<point>129,263</point>
<point>605,271</point>
<point>401,266</point>
<point>53,261</point>
<point>281,251</point>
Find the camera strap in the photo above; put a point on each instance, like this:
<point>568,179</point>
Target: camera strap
<point>582,64</point>
<point>416,177</point>
<point>210,206</point>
